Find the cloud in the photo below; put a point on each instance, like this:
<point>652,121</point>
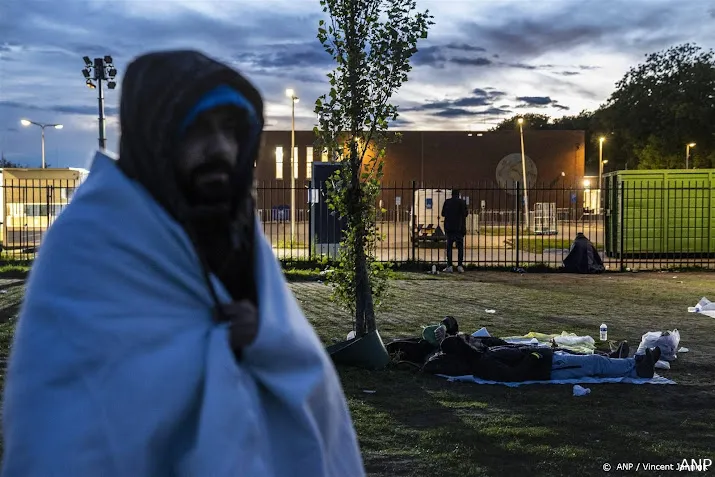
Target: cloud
<point>59,108</point>
<point>558,27</point>
<point>453,113</point>
<point>287,55</point>
<point>479,61</point>
<point>465,47</point>
<point>530,50</point>
<point>442,55</point>
<point>540,102</point>
<point>479,102</point>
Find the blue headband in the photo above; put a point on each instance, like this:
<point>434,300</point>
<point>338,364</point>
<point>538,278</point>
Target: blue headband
<point>222,96</point>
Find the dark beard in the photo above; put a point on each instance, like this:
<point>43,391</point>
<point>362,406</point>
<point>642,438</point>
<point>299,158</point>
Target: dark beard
<point>228,248</point>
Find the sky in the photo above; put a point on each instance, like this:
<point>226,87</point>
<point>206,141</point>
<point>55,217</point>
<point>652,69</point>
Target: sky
<point>484,60</point>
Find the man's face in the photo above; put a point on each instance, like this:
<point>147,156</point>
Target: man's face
<point>207,156</point>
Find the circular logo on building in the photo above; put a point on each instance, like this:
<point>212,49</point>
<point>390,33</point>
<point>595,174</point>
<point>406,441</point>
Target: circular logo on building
<point>509,172</point>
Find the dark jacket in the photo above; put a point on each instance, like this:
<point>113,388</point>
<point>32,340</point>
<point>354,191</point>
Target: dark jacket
<point>455,214</point>
<point>583,257</point>
<point>500,363</point>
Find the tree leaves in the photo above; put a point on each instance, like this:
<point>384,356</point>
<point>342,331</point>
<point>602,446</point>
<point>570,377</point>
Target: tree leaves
<point>371,42</point>
<point>658,107</point>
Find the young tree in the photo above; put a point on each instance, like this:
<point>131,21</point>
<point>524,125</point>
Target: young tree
<point>371,42</point>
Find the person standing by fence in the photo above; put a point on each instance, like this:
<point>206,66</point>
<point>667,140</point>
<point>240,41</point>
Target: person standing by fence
<point>455,214</point>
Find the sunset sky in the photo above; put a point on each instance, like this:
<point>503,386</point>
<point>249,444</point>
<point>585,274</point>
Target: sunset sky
<point>484,60</point>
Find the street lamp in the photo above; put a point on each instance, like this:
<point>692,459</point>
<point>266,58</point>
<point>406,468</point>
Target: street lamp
<point>600,170</point>
<point>523,171</point>
<point>27,122</point>
<point>98,70</point>
<point>293,99</point>
<point>687,153</point>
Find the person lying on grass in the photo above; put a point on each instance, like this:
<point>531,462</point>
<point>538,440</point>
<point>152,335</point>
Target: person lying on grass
<point>158,336</point>
<point>451,353</point>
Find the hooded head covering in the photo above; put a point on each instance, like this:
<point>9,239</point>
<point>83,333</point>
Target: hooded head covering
<point>162,93</point>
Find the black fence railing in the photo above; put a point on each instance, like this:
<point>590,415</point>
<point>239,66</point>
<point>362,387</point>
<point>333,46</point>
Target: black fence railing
<point>644,225</point>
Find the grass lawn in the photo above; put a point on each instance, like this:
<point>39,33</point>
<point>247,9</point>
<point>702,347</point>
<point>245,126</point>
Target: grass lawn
<point>417,425</point>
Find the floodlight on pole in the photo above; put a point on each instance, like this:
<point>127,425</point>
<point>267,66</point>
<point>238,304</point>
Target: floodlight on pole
<point>101,69</point>
<point>523,172</point>
<point>42,126</point>
<point>290,93</point>
<point>688,147</point>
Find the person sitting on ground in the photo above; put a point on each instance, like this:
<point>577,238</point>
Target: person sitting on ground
<point>464,354</point>
<point>455,212</point>
<point>158,335</point>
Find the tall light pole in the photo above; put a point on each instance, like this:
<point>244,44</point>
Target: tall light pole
<point>27,122</point>
<point>293,99</point>
<point>523,171</point>
<point>687,154</point>
<point>102,69</point>
<point>600,172</point>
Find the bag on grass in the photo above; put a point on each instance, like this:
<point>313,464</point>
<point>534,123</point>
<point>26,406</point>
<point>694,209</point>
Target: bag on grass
<point>667,341</point>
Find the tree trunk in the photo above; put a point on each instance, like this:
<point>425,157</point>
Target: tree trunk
<point>364,306</point>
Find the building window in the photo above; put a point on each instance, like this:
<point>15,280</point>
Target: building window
<point>42,210</point>
<point>279,162</point>
<point>295,162</point>
<point>324,155</point>
<point>308,162</point>
<point>66,193</point>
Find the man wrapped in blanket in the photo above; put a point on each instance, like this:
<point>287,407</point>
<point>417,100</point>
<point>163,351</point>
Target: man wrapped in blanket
<point>158,336</point>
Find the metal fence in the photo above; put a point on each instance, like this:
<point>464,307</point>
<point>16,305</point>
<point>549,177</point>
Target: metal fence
<point>648,226</point>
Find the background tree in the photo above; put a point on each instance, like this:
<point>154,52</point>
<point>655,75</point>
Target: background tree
<point>531,121</point>
<point>4,162</point>
<point>371,42</point>
<point>660,106</point>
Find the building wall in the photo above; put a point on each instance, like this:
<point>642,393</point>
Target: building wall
<point>443,159</point>
<point>453,158</point>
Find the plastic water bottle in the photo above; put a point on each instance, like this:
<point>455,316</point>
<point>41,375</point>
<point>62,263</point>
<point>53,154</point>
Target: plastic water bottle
<point>434,269</point>
<point>604,332</point>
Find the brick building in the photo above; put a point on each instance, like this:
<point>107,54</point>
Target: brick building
<point>451,158</point>
<point>485,165</point>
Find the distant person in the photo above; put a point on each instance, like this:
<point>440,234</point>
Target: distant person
<point>455,214</point>
<point>158,336</point>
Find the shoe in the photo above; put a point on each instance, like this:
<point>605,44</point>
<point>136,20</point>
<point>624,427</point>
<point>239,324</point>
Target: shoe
<point>645,367</point>
<point>622,351</point>
<point>448,269</point>
<point>460,269</point>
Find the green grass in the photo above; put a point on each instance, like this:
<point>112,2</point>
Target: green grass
<point>420,425</point>
<point>417,425</point>
<point>505,230</point>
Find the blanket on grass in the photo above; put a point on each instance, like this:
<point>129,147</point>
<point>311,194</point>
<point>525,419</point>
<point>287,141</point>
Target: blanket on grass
<point>569,341</point>
<point>654,380</point>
